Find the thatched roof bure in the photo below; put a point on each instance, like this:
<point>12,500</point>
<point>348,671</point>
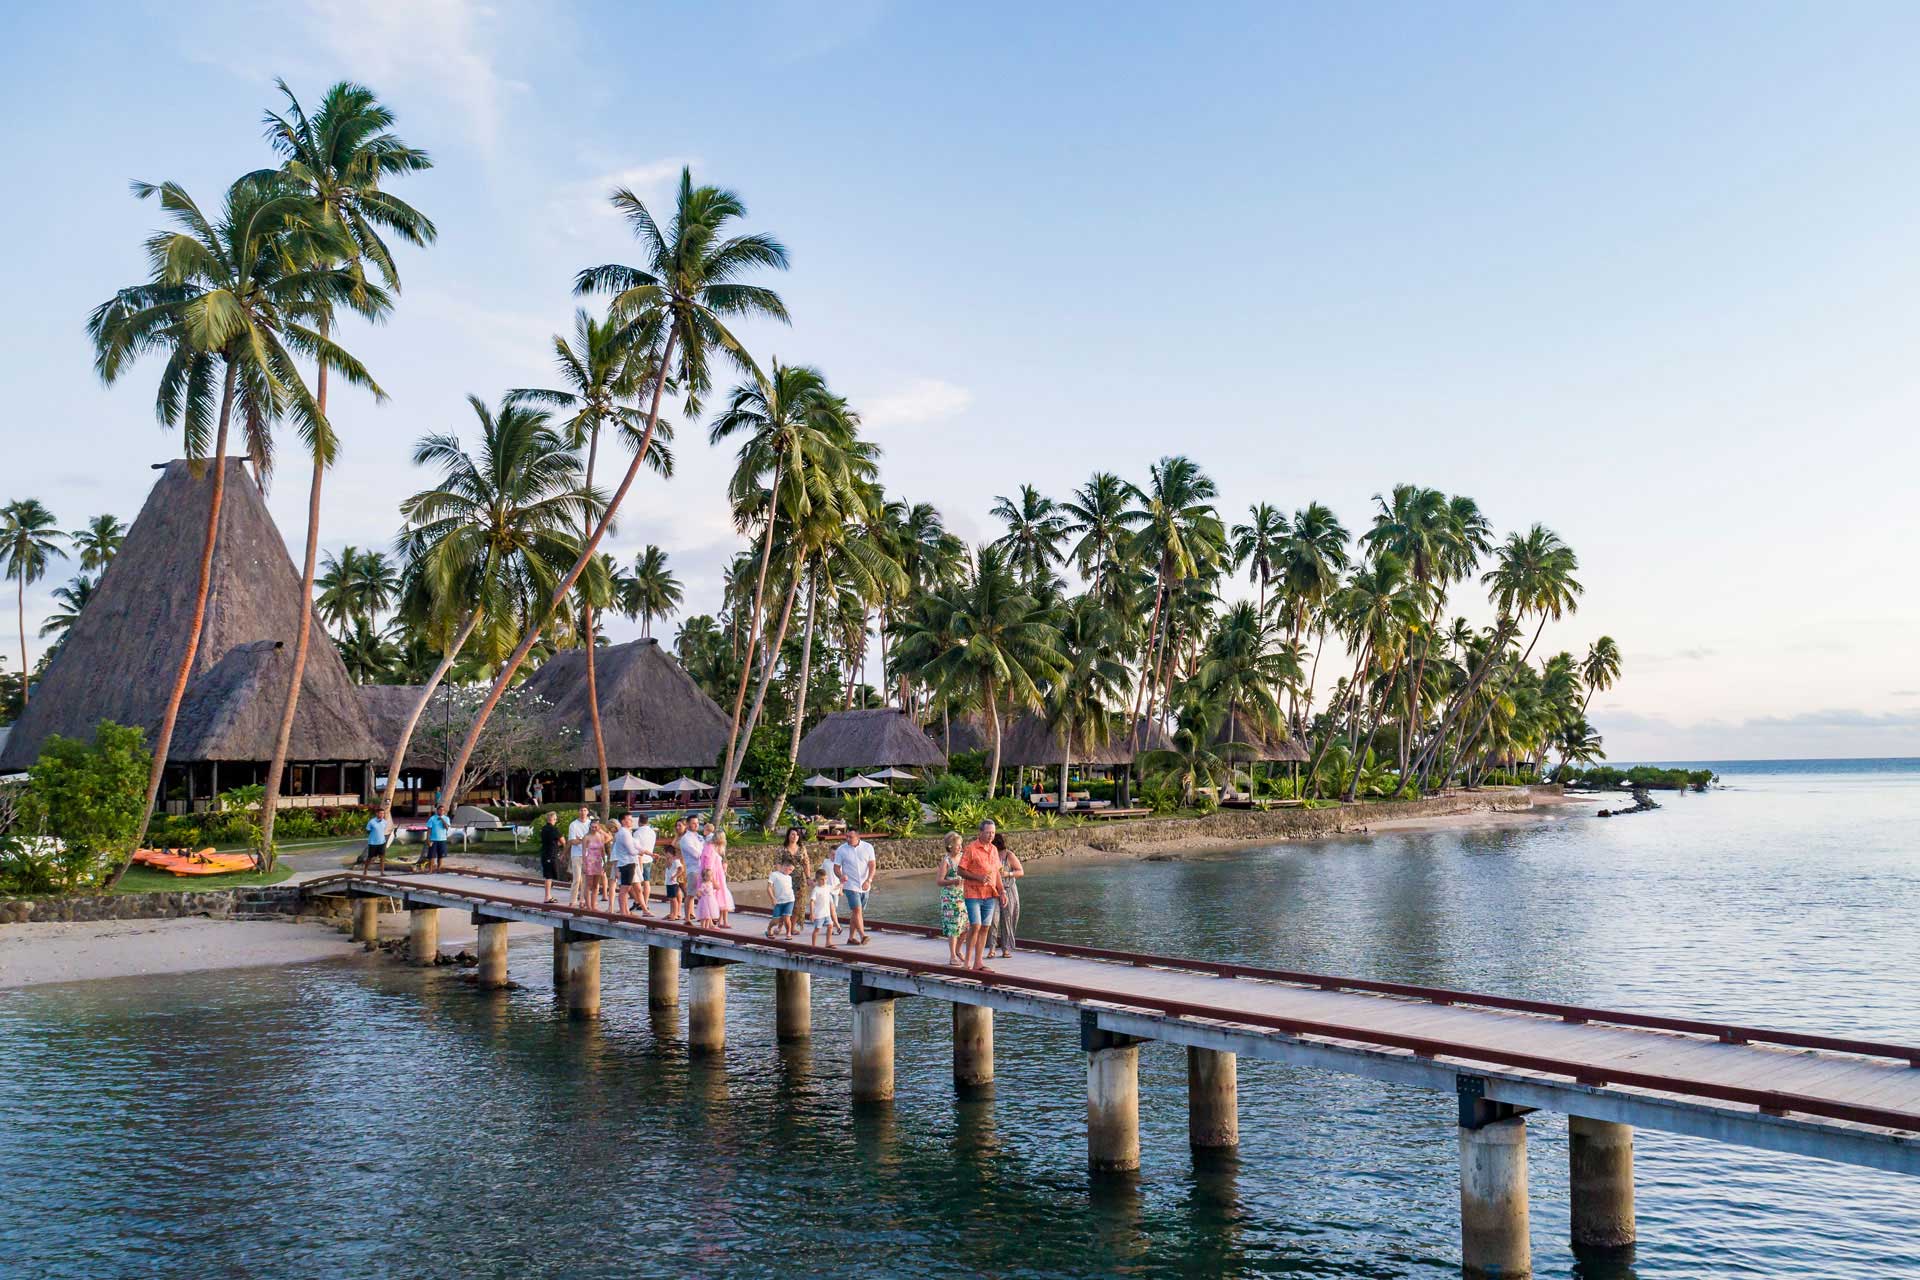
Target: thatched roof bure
<point>1028,741</point>
<point>873,736</point>
<point>652,714</point>
<point>120,658</point>
<point>1258,743</point>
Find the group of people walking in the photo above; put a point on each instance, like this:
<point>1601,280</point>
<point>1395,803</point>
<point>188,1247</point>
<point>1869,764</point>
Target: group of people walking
<point>979,898</point>
<point>611,868</point>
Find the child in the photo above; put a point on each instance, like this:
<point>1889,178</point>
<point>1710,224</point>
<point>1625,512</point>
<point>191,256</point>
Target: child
<point>676,882</point>
<point>780,891</point>
<point>820,908</point>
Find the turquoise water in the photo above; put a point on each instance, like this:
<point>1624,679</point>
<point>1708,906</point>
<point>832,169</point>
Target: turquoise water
<point>360,1119</point>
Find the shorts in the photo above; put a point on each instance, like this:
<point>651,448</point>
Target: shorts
<point>436,849</point>
<point>673,891</point>
<point>781,910</point>
<point>626,874</point>
<point>856,899</point>
<point>980,910</point>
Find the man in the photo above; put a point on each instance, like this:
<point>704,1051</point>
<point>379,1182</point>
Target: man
<point>550,852</point>
<point>626,858</point>
<point>692,845</point>
<point>980,879</point>
<point>577,832</point>
<point>379,828</point>
<point>437,831</point>
<point>854,862</point>
<point>644,840</point>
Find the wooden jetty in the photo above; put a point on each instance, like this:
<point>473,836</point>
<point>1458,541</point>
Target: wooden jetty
<point>1830,1097</point>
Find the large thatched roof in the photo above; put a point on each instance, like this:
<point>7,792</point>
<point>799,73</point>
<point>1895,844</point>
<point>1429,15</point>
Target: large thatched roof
<point>885,736</point>
<point>387,707</point>
<point>652,714</point>
<point>1260,743</point>
<point>1027,740</point>
<point>119,660</point>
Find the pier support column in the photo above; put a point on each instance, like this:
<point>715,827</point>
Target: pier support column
<point>423,935</point>
<point>792,1005</point>
<point>493,953</point>
<point>1113,1098</point>
<point>366,919</point>
<point>583,977</point>
<point>1493,1187</point>
<point>663,977</point>
<point>559,958</point>
<point>1601,1159</point>
<point>1213,1099</point>
<point>972,1046</point>
<point>872,1042</point>
<point>706,1005</point>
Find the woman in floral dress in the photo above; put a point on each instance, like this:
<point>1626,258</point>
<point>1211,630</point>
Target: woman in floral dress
<point>953,908</point>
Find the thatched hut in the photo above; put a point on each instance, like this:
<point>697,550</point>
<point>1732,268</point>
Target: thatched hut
<point>1027,741</point>
<point>883,737</point>
<point>1257,743</point>
<point>652,714</point>
<point>120,658</point>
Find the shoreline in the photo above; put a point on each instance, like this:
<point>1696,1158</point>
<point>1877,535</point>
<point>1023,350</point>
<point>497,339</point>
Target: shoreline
<point>56,953</point>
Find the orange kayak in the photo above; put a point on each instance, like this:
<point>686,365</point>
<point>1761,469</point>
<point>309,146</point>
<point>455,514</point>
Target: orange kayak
<point>183,862</point>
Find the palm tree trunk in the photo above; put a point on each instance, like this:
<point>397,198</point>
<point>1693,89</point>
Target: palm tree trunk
<point>993,767</point>
<point>759,599</point>
<point>303,636</point>
<point>1487,715</point>
<point>1313,766</point>
<point>736,758</point>
<point>420,707</point>
<point>586,626</point>
<point>164,738</point>
<point>800,699</point>
<point>560,592</point>
<point>1139,690</point>
<point>21,597</point>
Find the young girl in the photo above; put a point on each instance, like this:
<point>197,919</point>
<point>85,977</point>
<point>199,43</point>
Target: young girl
<point>594,866</point>
<point>953,905</point>
<point>820,908</point>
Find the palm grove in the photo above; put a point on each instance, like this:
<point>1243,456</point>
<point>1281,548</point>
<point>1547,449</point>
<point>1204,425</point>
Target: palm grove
<point>1100,612</point>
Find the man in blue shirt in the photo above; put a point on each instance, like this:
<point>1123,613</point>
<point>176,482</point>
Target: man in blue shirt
<point>436,839</point>
<point>378,829</point>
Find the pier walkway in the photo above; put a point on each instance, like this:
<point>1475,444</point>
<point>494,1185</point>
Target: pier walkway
<point>1831,1097</point>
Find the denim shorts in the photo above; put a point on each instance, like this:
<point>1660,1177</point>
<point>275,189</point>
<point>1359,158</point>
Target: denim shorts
<point>856,899</point>
<point>980,910</point>
<point>781,910</point>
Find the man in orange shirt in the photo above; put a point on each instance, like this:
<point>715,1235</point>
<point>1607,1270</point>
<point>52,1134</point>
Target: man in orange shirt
<point>980,879</point>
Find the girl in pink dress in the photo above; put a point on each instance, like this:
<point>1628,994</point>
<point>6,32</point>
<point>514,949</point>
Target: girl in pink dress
<point>717,850</point>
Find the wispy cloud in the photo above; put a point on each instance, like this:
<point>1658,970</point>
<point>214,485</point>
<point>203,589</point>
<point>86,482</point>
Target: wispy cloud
<point>921,401</point>
<point>581,210</point>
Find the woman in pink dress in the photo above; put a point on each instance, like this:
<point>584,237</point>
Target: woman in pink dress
<point>595,866</point>
<point>707,901</point>
<point>717,850</point>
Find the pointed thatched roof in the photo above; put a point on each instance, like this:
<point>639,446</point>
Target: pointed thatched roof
<point>877,736</point>
<point>1027,740</point>
<point>119,660</point>
<point>652,714</point>
<point>1261,743</point>
<point>387,707</point>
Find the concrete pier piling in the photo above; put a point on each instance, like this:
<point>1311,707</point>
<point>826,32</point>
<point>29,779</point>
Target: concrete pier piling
<point>792,1005</point>
<point>366,919</point>
<point>1494,1243</point>
<point>707,1007</point>
<point>972,1046</point>
<point>1600,1155</point>
<point>663,977</point>
<point>560,958</point>
<point>583,977</point>
<point>1113,1099</point>
<point>493,954</point>
<point>1213,1100</point>
<point>872,1043</point>
<point>423,935</point>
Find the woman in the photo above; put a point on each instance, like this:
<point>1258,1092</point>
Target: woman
<point>1006,921</point>
<point>594,865</point>
<point>706,879</point>
<point>953,902</point>
<point>794,845</point>
<point>717,849</point>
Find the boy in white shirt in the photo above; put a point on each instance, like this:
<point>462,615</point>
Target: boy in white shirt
<point>820,908</point>
<point>780,891</point>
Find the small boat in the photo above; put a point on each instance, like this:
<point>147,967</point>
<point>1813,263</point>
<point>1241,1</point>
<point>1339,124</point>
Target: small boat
<point>187,862</point>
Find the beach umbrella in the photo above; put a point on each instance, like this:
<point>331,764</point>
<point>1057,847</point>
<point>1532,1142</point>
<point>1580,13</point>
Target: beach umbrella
<point>817,780</point>
<point>684,784</point>
<point>627,782</point>
<point>901,774</point>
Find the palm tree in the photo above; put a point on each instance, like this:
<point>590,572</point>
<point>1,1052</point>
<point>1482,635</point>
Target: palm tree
<point>338,158</point>
<point>1242,668</point>
<point>1600,669</point>
<point>1035,530</point>
<point>370,655</point>
<point>1578,743</point>
<point>1181,535</point>
<point>1102,514</point>
<point>1312,560</point>
<point>356,588</point>
<point>605,369</point>
<point>28,540</point>
<point>73,598</point>
<point>652,590</point>
<point>692,277</point>
<point>1417,525</point>
<point>98,543</point>
<point>489,542</point>
<point>1194,760</point>
<point>1257,543</point>
<point>1093,681</point>
<point>225,304</point>
<point>930,559</point>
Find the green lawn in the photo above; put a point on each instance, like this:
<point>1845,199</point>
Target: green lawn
<point>150,880</point>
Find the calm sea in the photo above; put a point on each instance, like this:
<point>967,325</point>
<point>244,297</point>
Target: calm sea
<point>355,1119</point>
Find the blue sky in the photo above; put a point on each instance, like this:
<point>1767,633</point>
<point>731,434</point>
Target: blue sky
<point>1646,274</point>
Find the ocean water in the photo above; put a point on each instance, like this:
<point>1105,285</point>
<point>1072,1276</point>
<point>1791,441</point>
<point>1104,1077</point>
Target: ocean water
<point>357,1118</point>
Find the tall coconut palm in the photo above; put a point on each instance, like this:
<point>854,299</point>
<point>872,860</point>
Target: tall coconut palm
<point>692,277</point>
<point>1101,513</point>
<point>1256,545</point>
<point>1312,560</point>
<point>605,368</point>
<point>1244,671</point>
<point>1181,536</point>
<point>1599,669</point>
<point>491,539</point>
<point>339,157</point>
<point>652,589</point>
<point>1035,529</point>
<point>355,588</point>
<point>225,305</point>
<point>28,542</point>
<point>1081,701</point>
<point>1417,525</point>
<point>930,559</point>
<point>73,599</point>
<point>98,543</point>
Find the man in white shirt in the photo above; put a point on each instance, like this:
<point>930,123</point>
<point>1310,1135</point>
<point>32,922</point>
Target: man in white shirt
<point>644,837</point>
<point>577,831</point>
<point>692,845</point>
<point>854,862</point>
<point>626,859</point>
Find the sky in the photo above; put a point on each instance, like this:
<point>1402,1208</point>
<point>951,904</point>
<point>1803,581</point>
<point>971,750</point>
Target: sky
<point>1646,274</point>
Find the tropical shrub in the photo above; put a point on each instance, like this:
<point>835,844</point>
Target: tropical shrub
<point>86,801</point>
<point>971,765</point>
<point>891,812</point>
<point>950,789</point>
<point>962,815</point>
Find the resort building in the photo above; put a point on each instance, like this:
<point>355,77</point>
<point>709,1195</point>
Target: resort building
<point>120,658</point>
<point>877,738</point>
